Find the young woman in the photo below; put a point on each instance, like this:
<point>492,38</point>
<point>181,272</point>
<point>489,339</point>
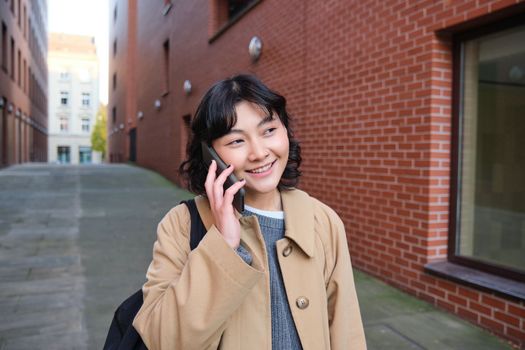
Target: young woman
<point>278,275</point>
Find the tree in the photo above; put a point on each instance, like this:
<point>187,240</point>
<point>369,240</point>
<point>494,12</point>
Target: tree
<point>99,134</point>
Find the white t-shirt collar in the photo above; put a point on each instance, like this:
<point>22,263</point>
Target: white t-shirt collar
<point>269,213</point>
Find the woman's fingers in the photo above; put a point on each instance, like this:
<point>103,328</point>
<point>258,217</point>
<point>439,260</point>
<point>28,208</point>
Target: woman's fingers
<point>210,179</point>
<point>218,185</point>
<point>230,192</point>
<point>221,203</point>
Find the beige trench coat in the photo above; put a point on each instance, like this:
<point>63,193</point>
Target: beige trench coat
<point>210,298</point>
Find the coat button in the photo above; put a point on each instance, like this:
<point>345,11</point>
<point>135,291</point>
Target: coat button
<point>302,302</point>
<point>287,251</point>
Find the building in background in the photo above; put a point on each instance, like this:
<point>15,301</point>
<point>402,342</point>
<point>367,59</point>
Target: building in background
<point>411,117</point>
<point>23,82</point>
<point>122,112</point>
<point>73,98</point>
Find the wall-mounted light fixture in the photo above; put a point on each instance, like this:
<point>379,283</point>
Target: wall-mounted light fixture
<point>121,126</point>
<point>18,112</point>
<point>140,114</point>
<point>2,102</point>
<point>167,7</point>
<point>10,108</point>
<point>255,48</point>
<point>187,87</point>
<point>157,104</point>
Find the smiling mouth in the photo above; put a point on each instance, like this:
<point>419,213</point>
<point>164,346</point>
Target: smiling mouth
<point>262,169</point>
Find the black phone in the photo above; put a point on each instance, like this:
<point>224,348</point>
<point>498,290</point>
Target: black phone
<point>208,153</point>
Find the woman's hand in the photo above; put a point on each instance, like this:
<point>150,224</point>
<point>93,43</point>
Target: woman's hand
<point>221,204</point>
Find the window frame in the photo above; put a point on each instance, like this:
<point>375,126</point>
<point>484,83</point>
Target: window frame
<point>85,125</point>
<point>64,75</point>
<point>166,67</point>
<point>86,100</point>
<point>457,130</point>
<point>63,124</point>
<point>62,94</point>
<point>222,27</point>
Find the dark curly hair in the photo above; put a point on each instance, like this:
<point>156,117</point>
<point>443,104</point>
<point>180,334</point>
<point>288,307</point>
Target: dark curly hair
<point>215,116</point>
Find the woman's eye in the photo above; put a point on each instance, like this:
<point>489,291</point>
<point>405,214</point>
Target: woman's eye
<point>235,142</point>
<point>269,131</point>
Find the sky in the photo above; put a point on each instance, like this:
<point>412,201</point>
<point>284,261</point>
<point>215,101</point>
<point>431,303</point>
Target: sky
<point>84,17</point>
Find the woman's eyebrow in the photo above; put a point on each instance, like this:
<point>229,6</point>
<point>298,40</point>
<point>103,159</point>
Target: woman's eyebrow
<point>266,120</point>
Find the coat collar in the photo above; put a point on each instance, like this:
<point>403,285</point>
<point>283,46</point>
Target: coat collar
<point>298,215</point>
<point>299,219</point>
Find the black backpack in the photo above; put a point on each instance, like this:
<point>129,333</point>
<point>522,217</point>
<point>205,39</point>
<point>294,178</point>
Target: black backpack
<point>122,335</point>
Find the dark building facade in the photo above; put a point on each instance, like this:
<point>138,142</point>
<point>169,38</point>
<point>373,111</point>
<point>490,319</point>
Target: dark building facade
<point>23,82</point>
<point>122,119</point>
<point>410,116</point>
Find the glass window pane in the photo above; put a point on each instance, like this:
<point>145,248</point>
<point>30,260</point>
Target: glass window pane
<point>492,170</point>
<point>84,155</point>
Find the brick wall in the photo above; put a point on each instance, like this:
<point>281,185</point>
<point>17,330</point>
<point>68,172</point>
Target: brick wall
<point>370,86</point>
<point>23,82</point>
<point>122,81</point>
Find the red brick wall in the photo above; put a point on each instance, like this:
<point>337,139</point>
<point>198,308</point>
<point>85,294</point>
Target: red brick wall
<point>370,87</point>
<point>118,65</point>
<point>23,136</point>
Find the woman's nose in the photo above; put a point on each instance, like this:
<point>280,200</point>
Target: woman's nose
<point>258,151</point>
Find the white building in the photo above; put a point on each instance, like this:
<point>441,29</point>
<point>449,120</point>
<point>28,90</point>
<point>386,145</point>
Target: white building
<point>73,98</point>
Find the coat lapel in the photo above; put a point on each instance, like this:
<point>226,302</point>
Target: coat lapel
<point>303,279</point>
<point>299,219</point>
<point>301,273</point>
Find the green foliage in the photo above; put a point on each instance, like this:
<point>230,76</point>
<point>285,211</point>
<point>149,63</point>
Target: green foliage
<point>100,133</point>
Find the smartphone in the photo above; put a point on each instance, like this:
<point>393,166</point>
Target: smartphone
<point>208,153</point>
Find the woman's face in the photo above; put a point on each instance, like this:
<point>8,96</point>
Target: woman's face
<point>257,147</point>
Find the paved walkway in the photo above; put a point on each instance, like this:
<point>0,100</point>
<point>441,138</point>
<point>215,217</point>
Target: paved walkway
<point>76,240</point>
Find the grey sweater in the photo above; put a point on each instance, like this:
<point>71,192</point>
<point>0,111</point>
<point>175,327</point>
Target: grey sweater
<point>284,333</point>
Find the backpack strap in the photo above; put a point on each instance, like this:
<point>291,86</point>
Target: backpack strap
<point>121,334</point>
<point>198,230</point>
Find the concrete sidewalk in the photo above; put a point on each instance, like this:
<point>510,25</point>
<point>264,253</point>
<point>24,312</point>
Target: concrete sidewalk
<point>76,240</point>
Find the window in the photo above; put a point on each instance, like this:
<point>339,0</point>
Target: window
<point>489,231</point>
<point>19,14</point>
<point>115,13</point>
<point>12,58</point>
<point>63,123</point>
<point>24,23</point>
<point>227,12</point>
<point>24,76</point>
<point>4,47</point>
<point>86,99</point>
<point>85,124</point>
<point>84,155</point>
<point>166,64</point>
<point>64,75</point>
<point>64,98</point>
<point>114,81</point>
<point>19,67</point>
<point>114,47</point>
<point>114,115</point>
<point>185,134</point>
<point>30,82</point>
<point>236,6</point>
<point>63,154</point>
